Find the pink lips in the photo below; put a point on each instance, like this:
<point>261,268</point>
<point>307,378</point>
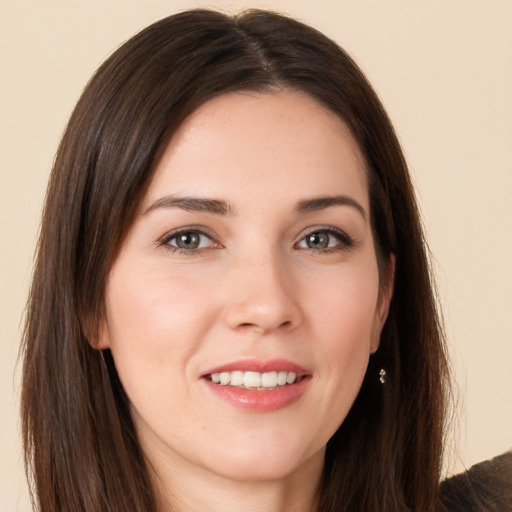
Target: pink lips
<point>255,365</point>
<point>260,400</point>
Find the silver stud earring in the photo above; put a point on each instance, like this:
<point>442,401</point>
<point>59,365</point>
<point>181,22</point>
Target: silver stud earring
<point>382,376</point>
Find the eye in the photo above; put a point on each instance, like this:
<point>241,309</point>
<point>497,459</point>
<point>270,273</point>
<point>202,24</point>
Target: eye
<point>188,240</point>
<point>325,239</point>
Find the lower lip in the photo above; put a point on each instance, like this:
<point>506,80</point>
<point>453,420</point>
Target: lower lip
<point>260,400</point>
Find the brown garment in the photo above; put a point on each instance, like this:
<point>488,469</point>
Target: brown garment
<point>486,487</point>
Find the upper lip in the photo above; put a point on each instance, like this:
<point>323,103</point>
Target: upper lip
<point>257,365</point>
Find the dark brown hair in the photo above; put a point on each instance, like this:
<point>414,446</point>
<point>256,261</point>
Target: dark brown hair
<point>81,446</point>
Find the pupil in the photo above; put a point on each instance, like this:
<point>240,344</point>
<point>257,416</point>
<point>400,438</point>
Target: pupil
<point>318,240</point>
<point>188,241</point>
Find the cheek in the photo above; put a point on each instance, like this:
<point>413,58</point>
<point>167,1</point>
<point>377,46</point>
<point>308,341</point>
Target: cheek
<point>344,306</point>
<point>343,318</point>
<point>345,336</point>
<point>154,323</point>
<point>154,306</point>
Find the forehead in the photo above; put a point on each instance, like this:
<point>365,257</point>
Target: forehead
<point>263,144</point>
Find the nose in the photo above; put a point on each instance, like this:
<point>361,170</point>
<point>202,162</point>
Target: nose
<point>263,295</point>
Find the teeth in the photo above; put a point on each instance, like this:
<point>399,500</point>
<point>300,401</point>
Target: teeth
<point>281,378</point>
<point>252,380</point>
<point>237,378</point>
<point>269,380</point>
<point>290,378</point>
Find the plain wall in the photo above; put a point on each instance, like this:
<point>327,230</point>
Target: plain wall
<point>444,71</point>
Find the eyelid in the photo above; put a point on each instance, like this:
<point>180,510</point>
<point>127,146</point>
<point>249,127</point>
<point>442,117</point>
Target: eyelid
<point>201,230</point>
<point>346,241</point>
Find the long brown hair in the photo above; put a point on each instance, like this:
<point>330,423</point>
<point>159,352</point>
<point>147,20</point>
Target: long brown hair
<point>81,447</point>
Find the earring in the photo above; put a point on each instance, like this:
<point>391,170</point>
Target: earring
<point>382,376</point>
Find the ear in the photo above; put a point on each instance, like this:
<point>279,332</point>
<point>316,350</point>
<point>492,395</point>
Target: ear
<point>102,339</point>
<point>96,332</point>
<point>384,300</point>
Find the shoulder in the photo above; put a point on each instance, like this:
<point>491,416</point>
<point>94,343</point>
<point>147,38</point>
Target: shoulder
<point>486,487</point>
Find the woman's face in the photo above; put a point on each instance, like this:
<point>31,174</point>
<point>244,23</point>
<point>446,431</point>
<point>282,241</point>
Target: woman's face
<point>244,302</point>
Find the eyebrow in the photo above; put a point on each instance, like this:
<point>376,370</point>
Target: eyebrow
<point>220,207</point>
<point>320,203</point>
<point>192,204</point>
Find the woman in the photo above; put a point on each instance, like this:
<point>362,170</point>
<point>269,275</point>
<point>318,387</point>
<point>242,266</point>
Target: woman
<point>232,306</point>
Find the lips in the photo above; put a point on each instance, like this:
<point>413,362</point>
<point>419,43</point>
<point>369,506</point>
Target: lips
<point>261,386</point>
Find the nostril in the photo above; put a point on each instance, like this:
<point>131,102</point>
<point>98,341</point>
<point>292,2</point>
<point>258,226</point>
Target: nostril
<point>251,325</point>
<point>262,314</point>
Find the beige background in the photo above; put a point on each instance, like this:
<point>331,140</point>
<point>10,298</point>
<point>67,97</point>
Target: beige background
<point>444,71</point>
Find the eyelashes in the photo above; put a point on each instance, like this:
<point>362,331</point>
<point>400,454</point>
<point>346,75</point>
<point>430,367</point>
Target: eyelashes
<point>325,240</point>
<point>195,240</point>
<point>189,240</point>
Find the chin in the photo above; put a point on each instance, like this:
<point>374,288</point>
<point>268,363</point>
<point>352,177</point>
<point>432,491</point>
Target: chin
<point>266,464</point>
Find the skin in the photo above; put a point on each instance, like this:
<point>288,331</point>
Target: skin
<point>253,289</point>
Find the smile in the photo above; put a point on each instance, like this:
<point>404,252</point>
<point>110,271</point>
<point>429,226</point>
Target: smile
<point>255,380</point>
<point>258,386</point>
